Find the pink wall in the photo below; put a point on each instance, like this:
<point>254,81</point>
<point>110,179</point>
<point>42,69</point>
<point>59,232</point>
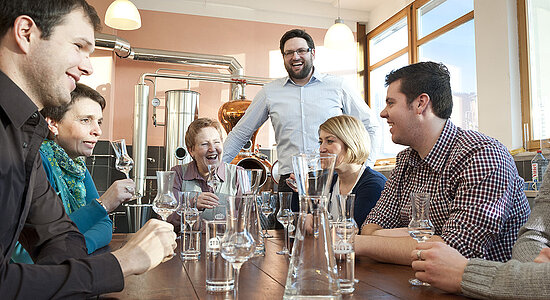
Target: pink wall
<point>249,42</point>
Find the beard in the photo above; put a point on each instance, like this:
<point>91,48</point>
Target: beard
<point>306,69</point>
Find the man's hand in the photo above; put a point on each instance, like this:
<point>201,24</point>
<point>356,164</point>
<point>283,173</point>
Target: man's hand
<point>544,256</point>
<point>120,191</point>
<point>207,200</point>
<point>439,265</point>
<point>151,245</point>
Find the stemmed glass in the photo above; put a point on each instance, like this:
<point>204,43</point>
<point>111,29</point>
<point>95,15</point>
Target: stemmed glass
<point>213,180</point>
<point>123,163</point>
<point>191,213</point>
<point>237,245</point>
<point>165,203</point>
<point>285,216</point>
<point>420,227</point>
<point>267,209</point>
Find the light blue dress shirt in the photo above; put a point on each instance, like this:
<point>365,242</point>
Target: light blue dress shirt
<point>296,113</point>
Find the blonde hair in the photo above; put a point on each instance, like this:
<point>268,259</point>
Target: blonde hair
<point>353,134</point>
<point>196,126</point>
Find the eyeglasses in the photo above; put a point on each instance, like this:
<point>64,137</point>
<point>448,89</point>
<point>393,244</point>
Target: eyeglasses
<point>301,52</point>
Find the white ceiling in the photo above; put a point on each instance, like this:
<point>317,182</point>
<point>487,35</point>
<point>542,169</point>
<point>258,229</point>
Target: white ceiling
<point>311,13</point>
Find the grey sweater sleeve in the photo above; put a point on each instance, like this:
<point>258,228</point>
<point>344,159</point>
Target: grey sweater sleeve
<point>519,278</point>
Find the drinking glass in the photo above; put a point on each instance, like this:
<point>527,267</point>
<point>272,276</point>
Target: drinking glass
<point>190,241</point>
<point>213,181</point>
<point>250,183</point>
<point>124,163</point>
<point>237,245</point>
<point>267,209</point>
<point>285,216</point>
<point>420,227</point>
<point>165,203</point>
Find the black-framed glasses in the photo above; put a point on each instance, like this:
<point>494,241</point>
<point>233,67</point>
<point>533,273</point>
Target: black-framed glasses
<point>300,51</point>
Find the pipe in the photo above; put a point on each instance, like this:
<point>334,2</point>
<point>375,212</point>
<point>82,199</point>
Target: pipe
<point>139,145</point>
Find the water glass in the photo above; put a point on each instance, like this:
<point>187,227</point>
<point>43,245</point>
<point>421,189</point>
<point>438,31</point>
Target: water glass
<point>219,272</point>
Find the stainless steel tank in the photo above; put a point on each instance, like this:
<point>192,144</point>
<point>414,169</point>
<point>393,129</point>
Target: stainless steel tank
<point>182,108</point>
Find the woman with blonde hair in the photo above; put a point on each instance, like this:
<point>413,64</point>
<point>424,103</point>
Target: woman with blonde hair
<point>346,137</point>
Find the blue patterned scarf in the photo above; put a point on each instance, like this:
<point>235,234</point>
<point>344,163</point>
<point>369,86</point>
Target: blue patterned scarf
<point>68,175</point>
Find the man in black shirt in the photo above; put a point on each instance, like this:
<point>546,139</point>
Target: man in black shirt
<point>44,50</point>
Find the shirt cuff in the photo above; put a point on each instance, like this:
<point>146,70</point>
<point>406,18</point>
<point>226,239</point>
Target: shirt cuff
<point>107,274</point>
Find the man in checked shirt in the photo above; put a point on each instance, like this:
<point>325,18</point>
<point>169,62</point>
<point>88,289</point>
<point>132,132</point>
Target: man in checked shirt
<point>477,199</point>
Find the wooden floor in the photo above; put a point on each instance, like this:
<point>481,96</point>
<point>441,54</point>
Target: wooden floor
<point>264,278</point>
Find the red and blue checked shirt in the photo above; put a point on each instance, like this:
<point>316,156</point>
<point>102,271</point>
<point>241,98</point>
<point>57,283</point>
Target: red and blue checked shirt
<point>477,204</point>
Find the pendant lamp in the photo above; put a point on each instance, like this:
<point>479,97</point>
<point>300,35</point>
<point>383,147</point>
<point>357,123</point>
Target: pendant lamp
<point>339,36</point>
<point>123,15</point>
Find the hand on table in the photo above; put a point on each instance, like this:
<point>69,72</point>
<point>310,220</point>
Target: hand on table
<point>147,248</point>
<point>441,265</point>
<point>120,191</point>
<point>207,200</point>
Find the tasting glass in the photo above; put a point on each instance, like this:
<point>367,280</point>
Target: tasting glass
<point>420,227</point>
<point>285,216</point>
<point>124,163</point>
<point>267,209</point>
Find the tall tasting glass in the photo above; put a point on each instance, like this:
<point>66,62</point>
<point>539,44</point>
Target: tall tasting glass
<point>267,209</point>
<point>237,245</point>
<point>165,203</point>
<point>190,234</point>
<point>285,216</point>
<point>123,163</point>
<point>420,227</point>
<point>250,183</point>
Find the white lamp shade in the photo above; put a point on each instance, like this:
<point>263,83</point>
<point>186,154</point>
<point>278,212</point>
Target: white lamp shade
<point>123,15</point>
<point>339,37</point>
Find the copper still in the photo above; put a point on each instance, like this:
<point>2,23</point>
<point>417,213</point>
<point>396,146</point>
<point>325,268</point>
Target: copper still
<point>249,157</point>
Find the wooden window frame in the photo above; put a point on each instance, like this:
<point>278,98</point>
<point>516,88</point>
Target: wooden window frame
<point>525,80</point>
<point>410,12</point>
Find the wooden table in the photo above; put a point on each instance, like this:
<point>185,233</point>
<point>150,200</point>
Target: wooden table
<point>264,278</point>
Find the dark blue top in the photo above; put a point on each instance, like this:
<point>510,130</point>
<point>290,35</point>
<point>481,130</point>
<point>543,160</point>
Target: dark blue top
<point>367,191</point>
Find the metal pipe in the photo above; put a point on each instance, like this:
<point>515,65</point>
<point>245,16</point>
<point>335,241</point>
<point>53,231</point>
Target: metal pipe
<point>139,145</point>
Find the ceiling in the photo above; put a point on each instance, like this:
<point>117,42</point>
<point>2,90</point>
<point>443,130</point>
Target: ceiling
<point>311,13</point>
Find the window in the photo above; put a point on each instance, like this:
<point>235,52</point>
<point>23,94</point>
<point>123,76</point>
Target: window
<point>436,30</point>
<point>533,21</point>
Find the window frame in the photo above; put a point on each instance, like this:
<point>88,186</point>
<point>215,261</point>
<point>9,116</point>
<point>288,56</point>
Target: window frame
<point>410,12</point>
<point>525,80</point>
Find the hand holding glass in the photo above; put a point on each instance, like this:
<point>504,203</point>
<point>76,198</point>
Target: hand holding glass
<point>123,163</point>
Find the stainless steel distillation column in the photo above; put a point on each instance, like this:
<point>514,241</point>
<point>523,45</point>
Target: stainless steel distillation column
<point>139,213</point>
<point>182,108</point>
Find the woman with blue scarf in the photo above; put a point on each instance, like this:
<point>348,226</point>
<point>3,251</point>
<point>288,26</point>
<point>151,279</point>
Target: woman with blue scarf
<point>74,132</point>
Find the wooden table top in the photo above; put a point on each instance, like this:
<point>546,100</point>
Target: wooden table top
<point>264,278</point>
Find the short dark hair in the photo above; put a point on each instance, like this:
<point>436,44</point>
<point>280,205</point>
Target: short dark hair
<point>426,77</point>
<point>296,33</point>
<point>46,13</point>
<point>57,113</point>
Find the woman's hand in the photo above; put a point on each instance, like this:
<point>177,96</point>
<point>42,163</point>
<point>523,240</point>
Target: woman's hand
<point>120,191</point>
<point>207,200</point>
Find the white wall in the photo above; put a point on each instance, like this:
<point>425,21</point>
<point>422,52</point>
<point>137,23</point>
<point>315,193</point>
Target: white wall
<point>497,65</point>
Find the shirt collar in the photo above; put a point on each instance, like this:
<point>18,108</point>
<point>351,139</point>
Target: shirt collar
<point>17,105</point>
<point>192,172</point>
<point>440,151</point>
<point>316,76</point>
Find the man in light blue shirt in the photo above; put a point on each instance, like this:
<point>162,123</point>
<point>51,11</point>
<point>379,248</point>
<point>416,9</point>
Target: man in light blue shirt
<point>298,104</point>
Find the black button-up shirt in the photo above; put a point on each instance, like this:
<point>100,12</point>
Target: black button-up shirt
<point>31,212</point>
